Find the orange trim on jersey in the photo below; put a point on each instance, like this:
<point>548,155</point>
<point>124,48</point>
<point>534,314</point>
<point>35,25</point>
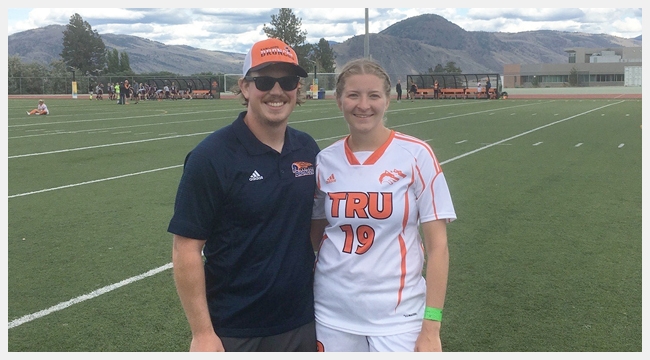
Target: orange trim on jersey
<point>376,155</point>
<point>417,169</point>
<point>402,277</point>
<point>379,152</point>
<point>349,154</point>
<point>402,245</point>
<point>433,196</point>
<point>436,165</point>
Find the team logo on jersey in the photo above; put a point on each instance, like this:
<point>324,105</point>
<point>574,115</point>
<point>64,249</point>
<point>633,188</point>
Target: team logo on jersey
<point>391,176</point>
<point>330,179</point>
<point>302,168</point>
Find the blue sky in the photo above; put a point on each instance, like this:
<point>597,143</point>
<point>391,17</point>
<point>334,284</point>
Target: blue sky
<point>235,29</point>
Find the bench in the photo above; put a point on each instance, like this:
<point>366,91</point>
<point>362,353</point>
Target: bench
<point>425,93</point>
<point>492,94</point>
<point>452,92</point>
<point>471,93</point>
<point>203,94</point>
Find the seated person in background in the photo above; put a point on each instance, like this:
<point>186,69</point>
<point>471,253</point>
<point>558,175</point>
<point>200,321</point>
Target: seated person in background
<point>41,109</point>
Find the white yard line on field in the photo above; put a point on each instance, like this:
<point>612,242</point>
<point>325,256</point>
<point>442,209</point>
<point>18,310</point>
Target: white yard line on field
<point>93,294</point>
<point>90,295</point>
<point>93,181</point>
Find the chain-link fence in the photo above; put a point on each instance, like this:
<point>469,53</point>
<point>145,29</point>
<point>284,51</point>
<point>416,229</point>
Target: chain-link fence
<point>87,84</point>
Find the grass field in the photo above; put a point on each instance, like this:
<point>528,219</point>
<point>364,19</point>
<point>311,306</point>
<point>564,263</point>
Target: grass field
<point>546,254</point>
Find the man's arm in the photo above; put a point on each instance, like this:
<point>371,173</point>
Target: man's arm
<point>189,277</point>
<point>316,233</point>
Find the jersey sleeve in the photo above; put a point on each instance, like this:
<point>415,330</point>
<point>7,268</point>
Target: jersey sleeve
<point>433,197</point>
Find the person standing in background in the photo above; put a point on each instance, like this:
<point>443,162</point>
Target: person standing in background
<point>398,89</point>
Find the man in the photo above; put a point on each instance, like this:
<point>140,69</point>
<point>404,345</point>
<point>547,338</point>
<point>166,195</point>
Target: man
<point>244,202</point>
<point>488,85</point>
<point>398,89</point>
<point>125,92</point>
<point>436,89</point>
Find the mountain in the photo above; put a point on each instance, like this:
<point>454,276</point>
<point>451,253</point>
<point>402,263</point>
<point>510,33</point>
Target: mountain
<point>411,46</point>
<point>43,45</point>
<point>418,43</point>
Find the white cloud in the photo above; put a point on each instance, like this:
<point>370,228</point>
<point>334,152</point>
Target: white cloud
<point>235,29</point>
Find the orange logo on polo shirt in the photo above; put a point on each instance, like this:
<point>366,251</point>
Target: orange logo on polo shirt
<point>391,176</point>
<point>302,168</point>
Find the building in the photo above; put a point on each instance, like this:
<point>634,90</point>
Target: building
<point>585,67</point>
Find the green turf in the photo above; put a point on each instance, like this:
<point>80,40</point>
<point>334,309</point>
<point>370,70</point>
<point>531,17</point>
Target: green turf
<point>545,254</point>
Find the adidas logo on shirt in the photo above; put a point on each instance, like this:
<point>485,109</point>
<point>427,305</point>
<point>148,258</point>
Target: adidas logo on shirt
<point>255,176</point>
<point>330,179</point>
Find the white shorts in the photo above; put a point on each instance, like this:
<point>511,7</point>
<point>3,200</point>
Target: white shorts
<point>330,340</point>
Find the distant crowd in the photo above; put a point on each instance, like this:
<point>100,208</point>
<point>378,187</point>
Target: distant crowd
<point>139,92</point>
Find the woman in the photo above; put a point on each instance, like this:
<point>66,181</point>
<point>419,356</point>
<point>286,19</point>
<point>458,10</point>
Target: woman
<point>41,109</point>
<point>374,188</point>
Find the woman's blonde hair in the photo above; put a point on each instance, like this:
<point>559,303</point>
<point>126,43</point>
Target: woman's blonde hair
<point>361,67</point>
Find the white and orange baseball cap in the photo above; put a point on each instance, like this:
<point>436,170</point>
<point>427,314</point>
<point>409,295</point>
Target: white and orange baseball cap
<point>268,52</point>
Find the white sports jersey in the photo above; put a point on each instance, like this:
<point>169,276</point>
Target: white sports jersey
<point>368,276</point>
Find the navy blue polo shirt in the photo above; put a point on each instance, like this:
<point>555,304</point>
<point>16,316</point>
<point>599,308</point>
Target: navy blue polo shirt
<point>253,207</point>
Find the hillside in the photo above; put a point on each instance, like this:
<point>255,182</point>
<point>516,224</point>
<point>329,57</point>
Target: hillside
<point>43,45</point>
<point>410,46</point>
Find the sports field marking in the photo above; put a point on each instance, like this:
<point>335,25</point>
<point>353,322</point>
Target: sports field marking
<point>90,295</point>
<point>527,132</point>
<point>578,144</point>
<point>116,118</point>
<point>620,146</point>
<point>94,181</point>
<point>59,132</point>
<point>93,294</point>
<point>107,145</point>
<point>538,143</point>
<point>92,131</point>
<point>460,142</point>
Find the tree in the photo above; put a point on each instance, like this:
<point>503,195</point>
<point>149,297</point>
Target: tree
<point>439,68</point>
<point>83,48</point>
<point>573,77</point>
<point>15,72</point>
<point>286,27</point>
<point>324,56</point>
<point>451,67</point>
<point>118,63</point>
<point>112,61</point>
<point>58,78</point>
<point>125,66</point>
<point>535,81</point>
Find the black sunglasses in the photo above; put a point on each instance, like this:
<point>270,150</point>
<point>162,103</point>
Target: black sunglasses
<point>266,83</point>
